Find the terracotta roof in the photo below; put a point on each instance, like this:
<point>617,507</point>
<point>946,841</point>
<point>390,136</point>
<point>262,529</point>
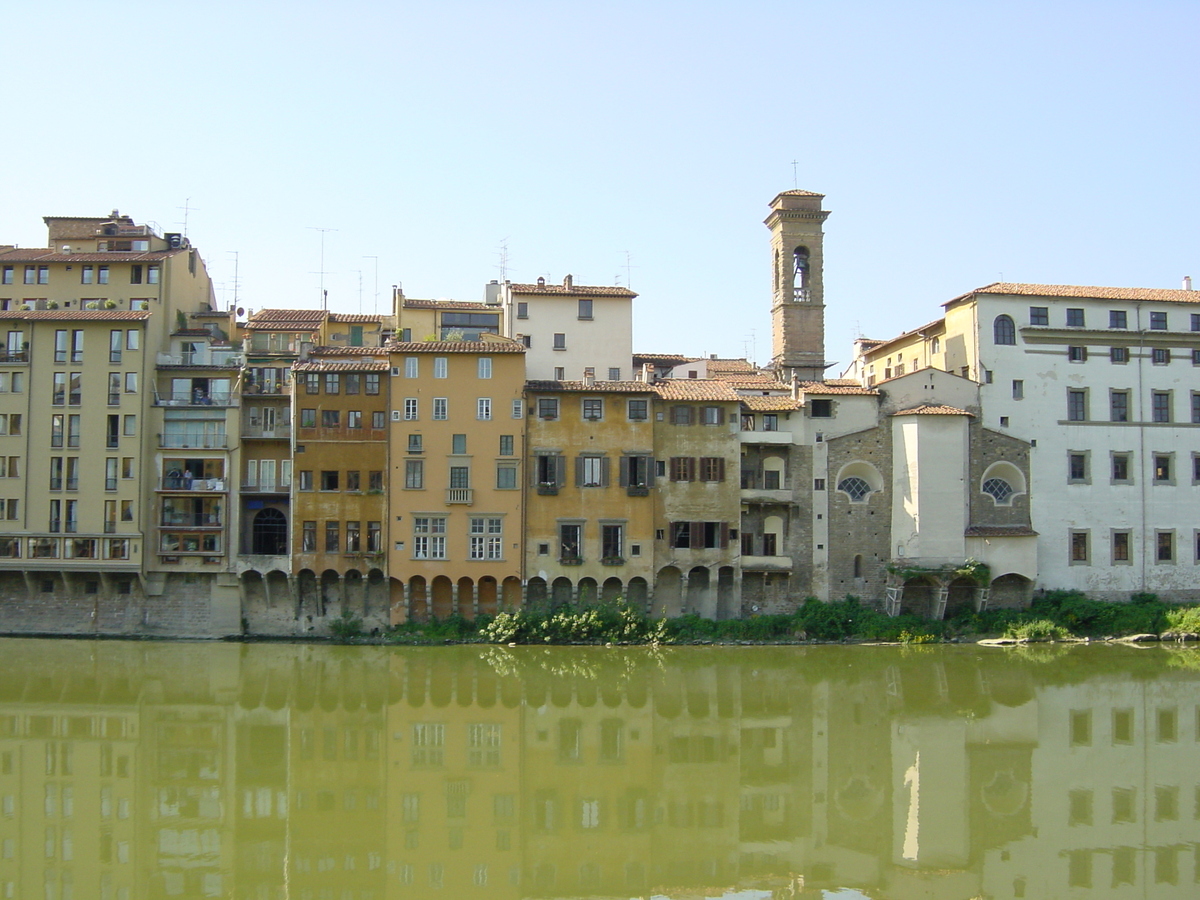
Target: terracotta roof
<point>661,359</point>
<point>729,365</point>
<point>929,409</point>
<point>840,386</point>
<point>600,387</point>
<point>694,389</point>
<point>354,318</point>
<point>799,192</point>
<point>349,351</point>
<point>1083,292</point>
<point>927,327</point>
<point>450,304</point>
<point>754,382</point>
<point>575,290</point>
<point>1000,531</point>
<point>290,315</point>
<point>109,315</point>
<point>47,255</point>
<point>341,365</point>
<point>504,346</point>
<point>769,404</point>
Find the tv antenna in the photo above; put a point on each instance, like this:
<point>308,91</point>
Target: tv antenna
<point>503,254</point>
<point>235,279</point>
<point>629,266</point>
<point>375,303</point>
<point>322,273</point>
<point>187,208</point>
<point>795,174</point>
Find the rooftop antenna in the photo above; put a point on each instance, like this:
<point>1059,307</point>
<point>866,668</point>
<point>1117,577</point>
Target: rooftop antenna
<point>628,270</point>
<point>375,303</point>
<point>795,175</point>
<point>503,252</point>
<point>322,273</point>
<point>235,279</point>
<point>187,208</point>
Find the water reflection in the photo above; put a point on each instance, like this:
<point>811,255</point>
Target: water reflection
<point>132,770</point>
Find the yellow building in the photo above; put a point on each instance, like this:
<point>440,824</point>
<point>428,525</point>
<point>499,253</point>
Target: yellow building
<point>455,498</point>
<point>590,515</point>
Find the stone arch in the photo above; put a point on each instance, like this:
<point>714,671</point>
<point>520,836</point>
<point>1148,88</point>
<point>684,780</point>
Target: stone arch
<point>919,595</point>
<point>331,590</point>
<point>1003,330</point>
<point>773,535</point>
<point>279,589</point>
<point>537,592</point>
<point>441,601</point>
<point>418,599</point>
<point>489,596</point>
<point>637,592</point>
<point>1003,482</point>
<point>511,592</point>
<point>668,592</point>
<point>774,470</point>
<point>353,585</point>
<point>376,592</point>
<point>962,595</point>
<point>858,480</point>
<point>588,591</point>
<point>307,593</point>
<point>611,590</point>
<point>560,591</point>
<point>397,609</point>
<point>466,598</point>
<point>727,601</point>
<point>269,533</point>
<point>700,599</point>
<point>1010,591</point>
<point>254,589</point>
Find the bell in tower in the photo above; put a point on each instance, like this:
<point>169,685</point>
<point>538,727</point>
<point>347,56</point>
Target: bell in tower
<point>798,305</point>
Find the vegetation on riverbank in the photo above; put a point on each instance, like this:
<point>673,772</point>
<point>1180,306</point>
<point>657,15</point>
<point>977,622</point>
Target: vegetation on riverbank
<point>1053,616</point>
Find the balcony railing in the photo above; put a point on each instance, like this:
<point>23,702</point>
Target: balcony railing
<point>194,398</point>
<point>183,483</point>
<point>340,433</point>
<point>14,357</point>
<point>213,357</point>
<point>267,390</point>
<point>110,527</point>
<point>196,520</point>
<point>265,487</point>
<point>173,440</point>
<point>460,495</point>
<point>282,432</point>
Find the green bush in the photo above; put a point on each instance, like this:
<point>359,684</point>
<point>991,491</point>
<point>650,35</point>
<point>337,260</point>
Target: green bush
<point>347,626</point>
<point>1184,620</point>
<point>1037,630</point>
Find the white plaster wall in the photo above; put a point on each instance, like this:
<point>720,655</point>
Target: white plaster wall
<point>605,341</point>
<point>929,506</point>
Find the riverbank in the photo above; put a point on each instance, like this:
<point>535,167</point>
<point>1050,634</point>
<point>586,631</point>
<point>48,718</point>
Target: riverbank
<point>1053,616</point>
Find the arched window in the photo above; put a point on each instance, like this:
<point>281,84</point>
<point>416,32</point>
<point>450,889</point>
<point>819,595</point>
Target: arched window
<point>1004,331</point>
<point>855,487</point>
<point>800,277</point>
<point>269,533</point>
<point>999,489</point>
<point>858,566</point>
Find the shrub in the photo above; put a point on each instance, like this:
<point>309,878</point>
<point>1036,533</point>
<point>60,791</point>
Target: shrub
<point>1037,630</point>
<point>1184,620</point>
<point>346,627</point>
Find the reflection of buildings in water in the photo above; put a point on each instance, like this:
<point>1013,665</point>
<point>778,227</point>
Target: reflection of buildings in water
<point>224,770</point>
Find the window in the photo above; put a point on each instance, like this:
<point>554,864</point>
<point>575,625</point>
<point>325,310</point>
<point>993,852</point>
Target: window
<point>1077,468</point>
<point>486,538</point>
<point>547,407</point>
<point>1118,406</point>
<point>8,275</point>
<point>31,274</point>
<point>820,409</point>
<point>712,415</point>
<point>441,367</point>
<point>378,419</point>
<point>354,480</point>
<point>483,409</point>
<point>560,341</point>
<point>770,422</point>
<point>411,367</point>
<point>1004,331</point>
<point>1195,321</point>
<point>999,490</point>
<point>10,423</point>
<point>1164,546</point>
<point>1039,315</point>
<point>550,470</point>
<point>312,383</point>
<point>1160,356</point>
<point>372,383</point>
<point>329,480</point>
<point>333,383</point>
<point>1077,406</point>
<point>506,476</point>
<point>593,409</point>
<point>484,367</point>
<point>1160,406</point>
<point>353,537</point>
<point>308,418</point>
<point>614,373</point>
<point>612,542</point>
<point>681,415</point>
<point>305,480</point>
<point>856,488</point>
<point>332,537</point>
<point>518,409</point>
<point>414,474</point>
<point>712,468</point>
<point>638,410</point>
<point>570,542</point>
<point>522,310</point>
<point>506,445</point>
<point>1162,468</point>
<point>1117,318</point>
<point>353,382</point>
<point>1075,318</point>
<point>1120,468</point>
<point>1018,389</point>
<point>75,389</point>
<point>410,409</point>
<point>683,468</point>
<point>636,473</point>
<point>1079,547</point>
<point>131,380</point>
<point>1196,407</point>
<point>115,341</point>
<point>1077,354</point>
<point>1120,547</point>
<point>308,538</point>
<point>591,471</point>
<point>1118,355</point>
<point>330,418</point>
<point>1158,321</point>
<point>415,443</point>
<point>375,480</point>
<point>429,537</point>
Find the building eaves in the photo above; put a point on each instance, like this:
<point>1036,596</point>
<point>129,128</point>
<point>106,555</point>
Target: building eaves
<point>502,346</point>
<point>341,365</point>
<point>729,365</point>
<point>1081,292</point>
<point>575,290</point>
<point>579,387</point>
<point>694,389</point>
<point>769,404</point>
<point>348,351</point>
<point>47,255</point>
<point>450,304</point>
<point>840,386</point>
<point>1000,531</point>
<point>930,409</point>
<point>927,328</point>
<point>289,315</point>
<point>354,318</point>
<point>661,359</point>
<point>81,315</point>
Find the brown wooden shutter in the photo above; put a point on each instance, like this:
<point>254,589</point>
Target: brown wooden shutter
<point>697,535</point>
<point>560,471</point>
<point>623,473</point>
<point>579,471</point>
<point>720,468</point>
<point>724,535</point>
<point>604,476</point>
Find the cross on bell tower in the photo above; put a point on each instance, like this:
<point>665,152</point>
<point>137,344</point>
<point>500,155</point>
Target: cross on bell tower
<point>798,301</point>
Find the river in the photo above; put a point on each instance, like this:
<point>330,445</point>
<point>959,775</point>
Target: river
<point>133,770</point>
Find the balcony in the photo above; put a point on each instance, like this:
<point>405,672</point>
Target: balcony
<point>766,564</point>
<point>761,495</point>
<point>194,398</point>
<point>340,433</point>
<point>14,358</point>
<point>278,432</point>
<point>460,495</point>
<point>193,520</point>
<point>224,358</point>
<point>185,484</point>
<point>264,487</point>
<point>179,441</point>
<point>266,391</point>
<point>765,437</point>
<point>637,490</point>
<point>547,489</point>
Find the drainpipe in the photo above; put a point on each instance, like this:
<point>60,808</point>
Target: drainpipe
<point>1146,472</point>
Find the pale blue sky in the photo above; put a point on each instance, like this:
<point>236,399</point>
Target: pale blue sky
<point>957,144</point>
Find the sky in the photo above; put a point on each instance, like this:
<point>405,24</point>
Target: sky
<point>353,146</point>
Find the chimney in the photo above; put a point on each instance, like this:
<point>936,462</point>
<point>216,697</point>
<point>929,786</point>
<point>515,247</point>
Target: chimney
<point>589,377</point>
<point>1187,282</point>
<point>648,373</point>
<point>541,281</point>
<point>568,283</point>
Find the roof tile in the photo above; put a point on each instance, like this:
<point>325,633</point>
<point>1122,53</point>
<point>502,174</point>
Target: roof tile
<point>110,315</point>
<point>599,387</point>
<point>930,409</point>
<point>694,389</point>
<point>1083,292</point>
<point>840,386</point>
<point>575,290</point>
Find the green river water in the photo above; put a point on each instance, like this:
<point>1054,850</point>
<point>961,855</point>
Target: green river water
<point>133,770</point>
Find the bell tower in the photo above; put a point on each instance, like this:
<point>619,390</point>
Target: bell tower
<point>798,300</point>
